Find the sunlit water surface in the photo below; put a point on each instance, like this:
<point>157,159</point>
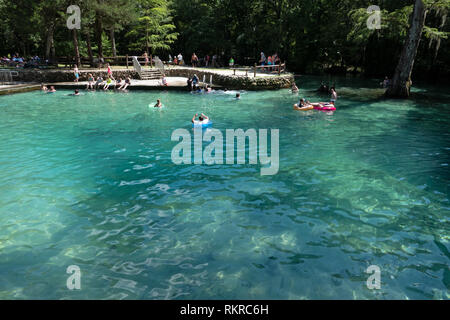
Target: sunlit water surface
<point>89,181</point>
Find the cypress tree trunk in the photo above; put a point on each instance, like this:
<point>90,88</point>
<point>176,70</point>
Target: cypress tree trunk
<point>49,42</point>
<point>113,42</point>
<point>98,33</point>
<point>77,49</point>
<point>89,47</point>
<point>401,83</point>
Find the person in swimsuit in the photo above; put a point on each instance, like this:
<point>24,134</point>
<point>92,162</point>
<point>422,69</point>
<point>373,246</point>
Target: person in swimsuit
<point>91,80</point>
<point>301,104</point>
<point>76,73</point>
<point>126,84</point>
<point>334,95</point>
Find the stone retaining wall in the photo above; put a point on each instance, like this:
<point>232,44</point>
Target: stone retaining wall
<point>231,82</point>
<point>236,82</point>
<point>54,76</point>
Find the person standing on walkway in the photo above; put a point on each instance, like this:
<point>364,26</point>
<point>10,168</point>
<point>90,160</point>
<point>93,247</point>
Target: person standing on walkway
<point>76,72</point>
<point>262,61</point>
<point>194,60</point>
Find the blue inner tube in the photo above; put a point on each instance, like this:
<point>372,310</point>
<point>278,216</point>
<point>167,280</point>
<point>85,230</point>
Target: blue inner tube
<point>206,125</point>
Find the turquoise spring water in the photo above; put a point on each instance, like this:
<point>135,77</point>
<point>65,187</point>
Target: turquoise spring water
<point>89,181</point>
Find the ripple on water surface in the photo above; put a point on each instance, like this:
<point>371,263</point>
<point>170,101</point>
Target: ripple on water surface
<point>89,181</point>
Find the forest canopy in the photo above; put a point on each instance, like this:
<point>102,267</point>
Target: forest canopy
<point>310,35</point>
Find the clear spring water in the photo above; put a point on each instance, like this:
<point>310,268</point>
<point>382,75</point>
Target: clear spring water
<point>89,181</point>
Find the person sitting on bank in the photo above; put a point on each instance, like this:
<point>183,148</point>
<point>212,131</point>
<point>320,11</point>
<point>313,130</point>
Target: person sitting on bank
<point>99,82</point>
<point>164,81</point>
<point>108,83</point>
<point>90,84</point>
<point>126,84</point>
<point>189,84</point>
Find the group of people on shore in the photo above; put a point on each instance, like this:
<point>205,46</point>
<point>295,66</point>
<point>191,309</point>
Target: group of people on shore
<point>103,84</point>
<point>270,60</point>
<point>207,61</point>
<point>18,61</point>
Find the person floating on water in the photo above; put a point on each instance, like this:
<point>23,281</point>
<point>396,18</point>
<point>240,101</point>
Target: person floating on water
<point>158,104</point>
<point>202,120</point>
<point>76,93</point>
<point>303,105</point>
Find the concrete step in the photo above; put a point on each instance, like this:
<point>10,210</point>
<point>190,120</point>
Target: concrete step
<point>150,71</point>
<point>151,75</point>
<point>151,78</point>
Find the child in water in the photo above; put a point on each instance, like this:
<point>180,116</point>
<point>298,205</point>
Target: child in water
<point>158,104</point>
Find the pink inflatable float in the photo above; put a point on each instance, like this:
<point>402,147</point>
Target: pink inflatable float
<point>325,107</point>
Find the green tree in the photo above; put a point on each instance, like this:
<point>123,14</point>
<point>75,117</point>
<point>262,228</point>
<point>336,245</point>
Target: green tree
<point>154,30</point>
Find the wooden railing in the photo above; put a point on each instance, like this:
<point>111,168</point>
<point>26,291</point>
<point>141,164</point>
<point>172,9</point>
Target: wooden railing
<point>113,61</point>
<point>279,68</point>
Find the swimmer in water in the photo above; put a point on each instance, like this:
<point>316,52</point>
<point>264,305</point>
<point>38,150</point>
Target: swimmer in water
<point>158,104</point>
<point>44,88</point>
<point>201,120</point>
<point>52,89</point>
<point>302,104</point>
<point>238,96</point>
<point>294,88</point>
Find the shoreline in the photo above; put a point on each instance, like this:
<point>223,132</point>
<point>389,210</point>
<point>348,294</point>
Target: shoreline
<point>177,78</point>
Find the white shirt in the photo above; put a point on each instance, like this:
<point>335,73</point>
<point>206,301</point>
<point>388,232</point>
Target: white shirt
<point>199,123</point>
